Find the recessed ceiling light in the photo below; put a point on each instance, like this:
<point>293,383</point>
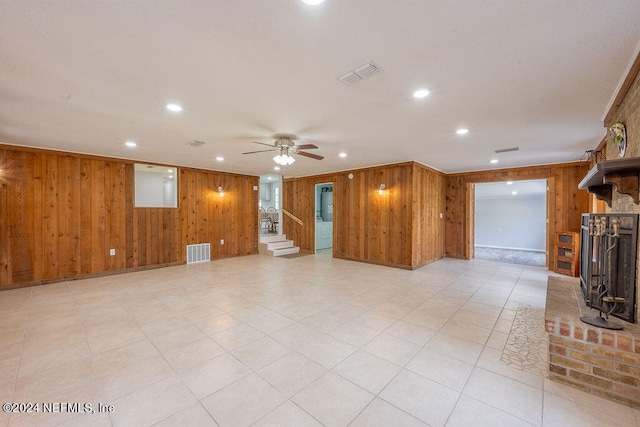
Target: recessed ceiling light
<point>174,107</point>
<point>170,176</point>
<point>269,178</point>
<point>514,192</point>
<point>170,170</point>
<point>343,155</point>
<point>421,93</point>
<point>276,168</point>
<point>130,144</point>
<point>312,2</point>
<point>509,182</point>
<point>462,131</point>
<point>219,158</point>
<point>493,161</point>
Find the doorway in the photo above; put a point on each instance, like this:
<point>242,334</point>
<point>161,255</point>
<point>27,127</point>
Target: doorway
<point>510,222</point>
<point>269,204</point>
<point>324,216</point>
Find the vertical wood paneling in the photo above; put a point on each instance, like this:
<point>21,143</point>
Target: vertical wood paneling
<point>373,227</point>
<point>192,214</point>
<point>153,237</point>
<point>50,218</point>
<point>69,218</point>
<point>98,216</point>
<point>142,236</point>
<point>86,228</point>
<point>117,230</point>
<point>106,242</point>
<point>38,247</point>
<point>428,198</point>
<point>61,213</point>
<point>130,238</point>
<point>4,238</point>
<point>20,215</point>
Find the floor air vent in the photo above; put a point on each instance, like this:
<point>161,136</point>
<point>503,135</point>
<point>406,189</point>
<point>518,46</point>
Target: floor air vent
<point>198,253</point>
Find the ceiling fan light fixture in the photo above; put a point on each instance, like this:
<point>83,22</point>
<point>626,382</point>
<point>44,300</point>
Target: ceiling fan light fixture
<point>312,2</point>
<point>284,159</point>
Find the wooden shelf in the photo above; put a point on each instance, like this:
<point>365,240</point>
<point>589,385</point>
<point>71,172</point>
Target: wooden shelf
<point>621,174</point>
<point>567,253</point>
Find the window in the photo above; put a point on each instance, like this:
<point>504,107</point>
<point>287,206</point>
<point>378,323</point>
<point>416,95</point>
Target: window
<point>156,186</point>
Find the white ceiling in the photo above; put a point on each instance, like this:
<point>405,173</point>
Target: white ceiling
<point>86,76</point>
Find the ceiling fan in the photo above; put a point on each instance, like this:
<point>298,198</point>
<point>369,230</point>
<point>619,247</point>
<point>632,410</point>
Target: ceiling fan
<point>285,147</point>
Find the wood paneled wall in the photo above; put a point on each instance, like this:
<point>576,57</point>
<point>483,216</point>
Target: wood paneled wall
<point>565,202</point>
<point>428,228</point>
<point>396,228</point>
<point>61,213</point>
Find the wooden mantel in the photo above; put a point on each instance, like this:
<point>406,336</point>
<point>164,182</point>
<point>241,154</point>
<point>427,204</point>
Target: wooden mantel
<point>624,174</point>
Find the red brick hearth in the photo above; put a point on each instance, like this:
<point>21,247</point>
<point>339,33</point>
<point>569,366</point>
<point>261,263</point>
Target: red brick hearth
<point>599,361</point>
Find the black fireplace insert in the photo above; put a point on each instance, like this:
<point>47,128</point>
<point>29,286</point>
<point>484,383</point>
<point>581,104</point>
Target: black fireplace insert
<point>608,246</point>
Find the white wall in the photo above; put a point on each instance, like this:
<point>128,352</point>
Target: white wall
<point>149,189</point>
<point>514,222</point>
<point>268,196</point>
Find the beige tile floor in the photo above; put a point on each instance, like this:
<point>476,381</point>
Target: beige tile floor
<point>307,341</point>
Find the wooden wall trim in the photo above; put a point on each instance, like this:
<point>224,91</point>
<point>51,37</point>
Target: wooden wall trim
<point>429,168</point>
<point>624,89</point>
<point>534,170</point>
<point>375,262</point>
<point>331,175</point>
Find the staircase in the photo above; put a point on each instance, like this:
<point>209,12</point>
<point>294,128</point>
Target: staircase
<point>277,245</point>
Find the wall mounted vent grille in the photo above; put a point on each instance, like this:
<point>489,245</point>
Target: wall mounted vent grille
<point>360,73</point>
<point>198,253</point>
<point>194,143</point>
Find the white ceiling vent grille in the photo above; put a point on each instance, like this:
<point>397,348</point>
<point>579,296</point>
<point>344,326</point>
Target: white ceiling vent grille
<point>506,150</point>
<point>194,143</point>
<point>360,73</point>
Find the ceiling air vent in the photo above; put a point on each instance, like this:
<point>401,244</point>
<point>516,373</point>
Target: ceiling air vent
<point>194,143</point>
<point>506,150</point>
<point>360,73</point>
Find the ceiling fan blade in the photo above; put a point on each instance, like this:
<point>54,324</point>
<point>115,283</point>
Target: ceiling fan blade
<point>313,156</point>
<point>305,146</point>
<point>259,151</point>
<point>262,143</point>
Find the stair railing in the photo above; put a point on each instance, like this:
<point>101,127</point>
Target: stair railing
<point>292,216</point>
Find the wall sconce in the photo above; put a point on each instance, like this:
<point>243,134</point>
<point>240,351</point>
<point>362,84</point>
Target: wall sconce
<point>381,189</point>
<point>221,191</point>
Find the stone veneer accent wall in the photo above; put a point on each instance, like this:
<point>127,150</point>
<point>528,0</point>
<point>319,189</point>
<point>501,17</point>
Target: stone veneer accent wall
<point>598,361</point>
<point>628,113</point>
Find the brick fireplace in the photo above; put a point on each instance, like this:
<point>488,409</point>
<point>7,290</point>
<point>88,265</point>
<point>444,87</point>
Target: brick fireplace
<point>598,361</point>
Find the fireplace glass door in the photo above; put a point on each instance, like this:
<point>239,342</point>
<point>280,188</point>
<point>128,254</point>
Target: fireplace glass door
<point>608,263</point>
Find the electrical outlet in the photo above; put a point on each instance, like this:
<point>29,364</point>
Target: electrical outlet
<point>112,252</point>
<point>222,241</point>
<point>255,188</point>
